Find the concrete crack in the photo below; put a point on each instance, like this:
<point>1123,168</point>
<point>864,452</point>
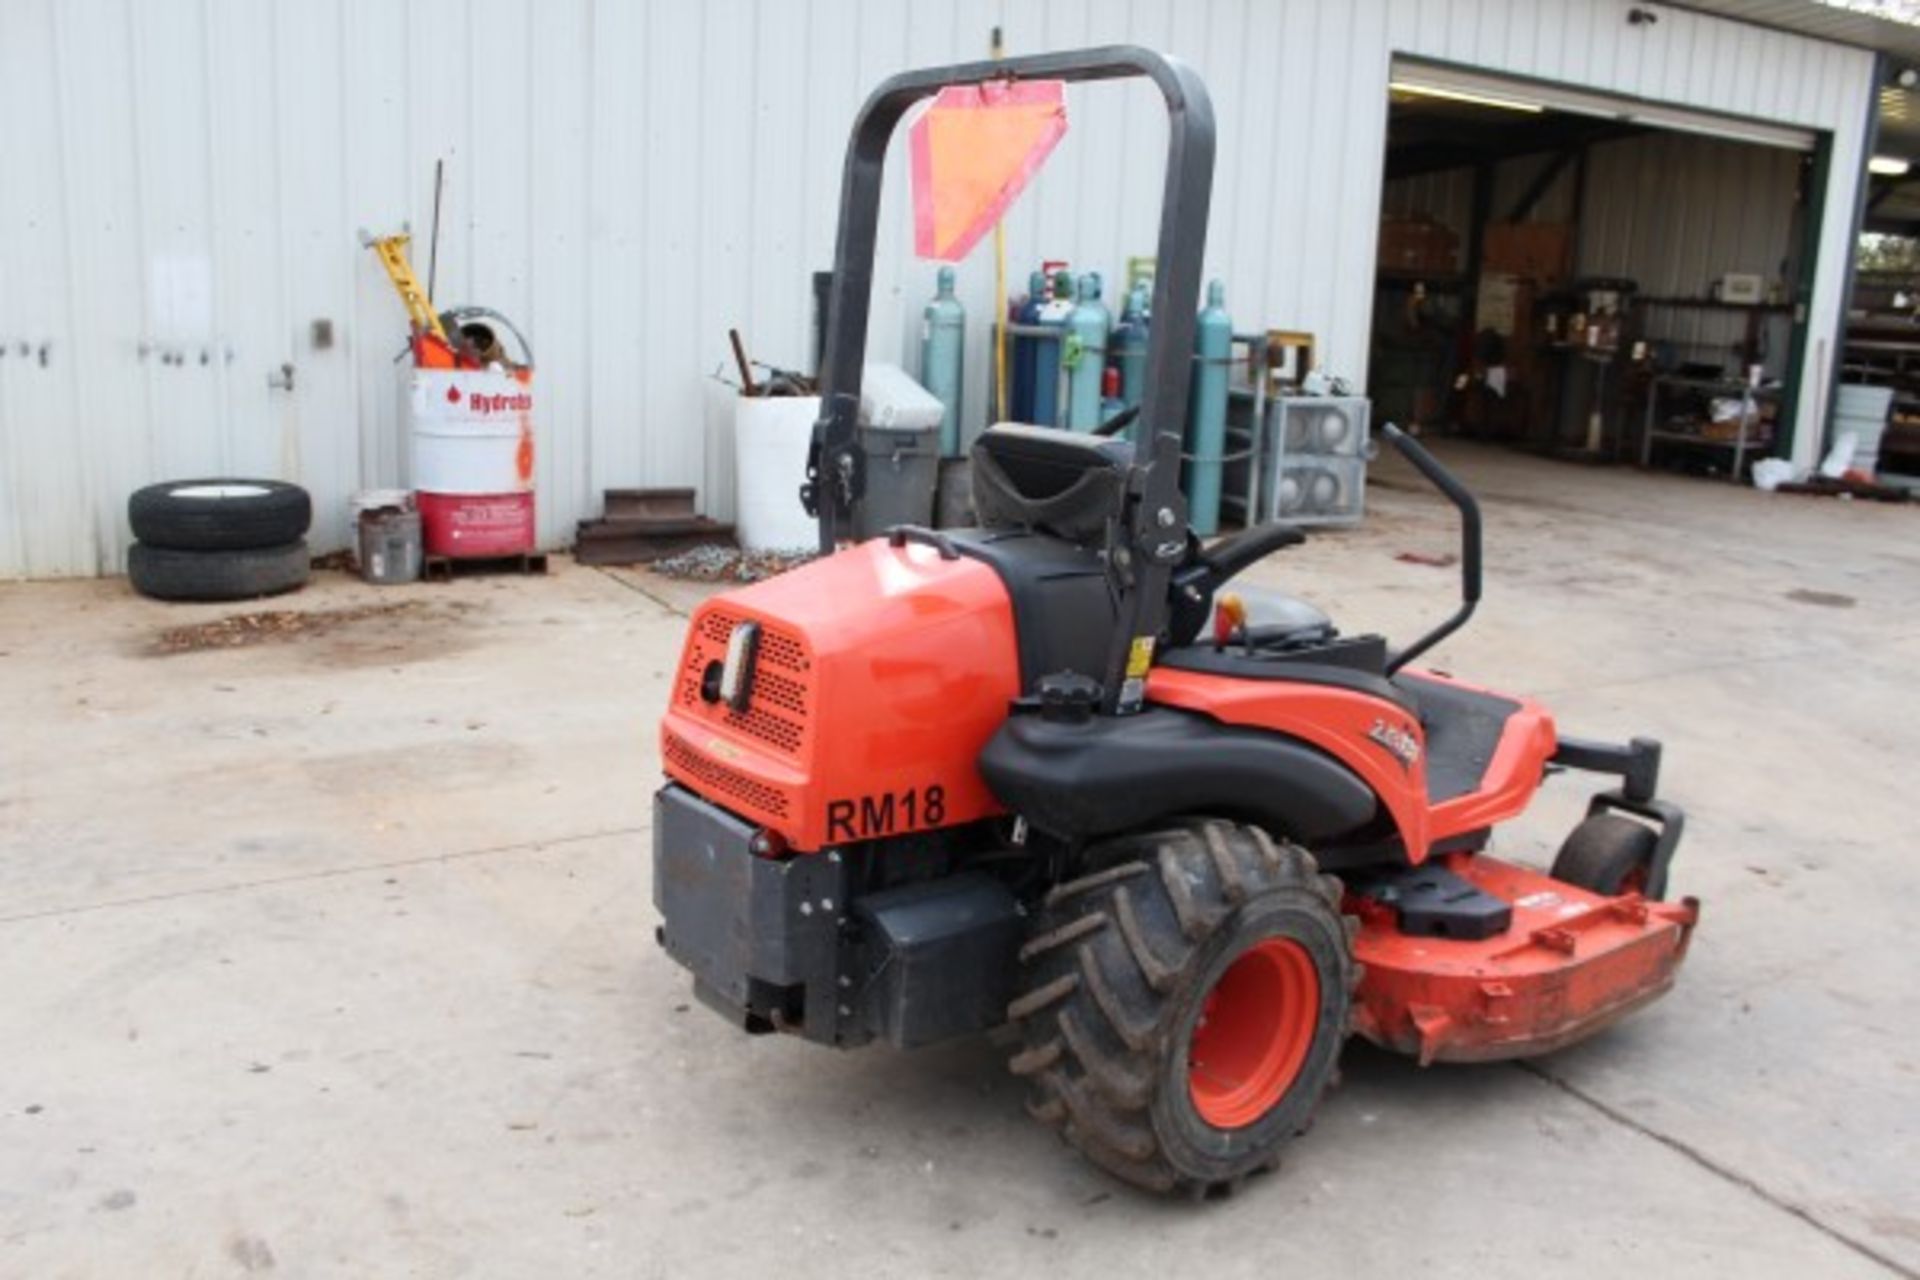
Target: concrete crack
<point>639,590</point>
<point>1728,1175</point>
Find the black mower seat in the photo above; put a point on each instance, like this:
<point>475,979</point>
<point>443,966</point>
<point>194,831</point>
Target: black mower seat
<point>1067,483</point>
<point>1462,727</point>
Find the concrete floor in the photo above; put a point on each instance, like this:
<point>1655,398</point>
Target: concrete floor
<point>332,954</point>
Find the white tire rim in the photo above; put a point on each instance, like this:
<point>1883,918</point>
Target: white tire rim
<point>215,492</point>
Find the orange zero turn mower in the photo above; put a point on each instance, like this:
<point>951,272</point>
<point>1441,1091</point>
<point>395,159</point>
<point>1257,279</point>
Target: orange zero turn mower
<point>1050,772</point>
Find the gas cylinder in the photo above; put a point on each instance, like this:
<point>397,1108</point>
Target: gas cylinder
<point>1026,350</point>
<point>1207,411</point>
<point>943,347</point>
<point>1086,354</point>
<point>1053,314</point>
<point>1129,345</point>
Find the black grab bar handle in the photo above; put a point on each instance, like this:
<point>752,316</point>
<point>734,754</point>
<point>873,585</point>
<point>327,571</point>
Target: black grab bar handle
<point>1470,578</point>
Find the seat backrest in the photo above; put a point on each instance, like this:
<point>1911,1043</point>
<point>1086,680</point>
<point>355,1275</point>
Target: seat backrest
<point>1068,483</point>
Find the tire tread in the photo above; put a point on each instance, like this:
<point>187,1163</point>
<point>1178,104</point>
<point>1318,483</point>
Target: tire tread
<point>1097,1010</point>
<point>166,573</point>
<point>281,514</point>
<point>1602,850</point>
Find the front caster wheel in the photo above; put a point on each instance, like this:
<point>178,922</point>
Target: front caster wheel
<point>1611,855</point>
<point>1183,1007</point>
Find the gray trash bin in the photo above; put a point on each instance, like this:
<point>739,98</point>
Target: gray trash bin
<point>900,434</point>
<point>903,468</point>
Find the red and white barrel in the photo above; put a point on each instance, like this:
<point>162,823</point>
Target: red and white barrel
<point>472,443</point>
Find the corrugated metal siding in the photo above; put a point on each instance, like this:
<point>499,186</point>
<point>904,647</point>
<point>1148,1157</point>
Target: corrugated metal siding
<point>1675,213</point>
<point>1445,197</point>
<point>185,177</point>
<point>1512,178</point>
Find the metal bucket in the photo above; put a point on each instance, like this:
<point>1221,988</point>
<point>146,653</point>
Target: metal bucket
<point>389,544</point>
<point>371,500</point>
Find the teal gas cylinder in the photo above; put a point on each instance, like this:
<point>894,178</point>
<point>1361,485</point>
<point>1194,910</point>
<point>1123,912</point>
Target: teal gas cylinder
<point>943,349</point>
<point>1086,354</point>
<point>1129,345</point>
<point>1026,350</point>
<point>1053,314</point>
<point>1207,411</point>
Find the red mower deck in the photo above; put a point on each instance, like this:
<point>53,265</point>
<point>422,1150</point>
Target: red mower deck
<point>1572,963</point>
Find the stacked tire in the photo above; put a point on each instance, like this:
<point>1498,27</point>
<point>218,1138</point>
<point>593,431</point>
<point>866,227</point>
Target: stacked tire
<point>219,539</point>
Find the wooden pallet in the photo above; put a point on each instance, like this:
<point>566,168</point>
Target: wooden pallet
<point>447,568</point>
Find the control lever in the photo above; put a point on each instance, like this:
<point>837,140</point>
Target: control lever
<point>1118,422</point>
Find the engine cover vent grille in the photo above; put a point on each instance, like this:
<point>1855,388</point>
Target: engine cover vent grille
<point>719,780</point>
<point>778,712</point>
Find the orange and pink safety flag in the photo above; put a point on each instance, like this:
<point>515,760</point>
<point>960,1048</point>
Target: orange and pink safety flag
<point>972,152</point>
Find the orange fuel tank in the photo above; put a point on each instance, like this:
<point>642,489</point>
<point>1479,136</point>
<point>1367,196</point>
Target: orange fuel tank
<point>912,660</point>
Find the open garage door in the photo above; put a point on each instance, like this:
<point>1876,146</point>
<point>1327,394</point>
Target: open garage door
<point>1590,275</point>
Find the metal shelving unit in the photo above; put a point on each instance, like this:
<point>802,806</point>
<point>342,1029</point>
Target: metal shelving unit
<point>1749,439</point>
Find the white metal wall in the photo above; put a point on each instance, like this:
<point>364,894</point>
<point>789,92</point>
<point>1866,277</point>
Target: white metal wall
<point>184,179</point>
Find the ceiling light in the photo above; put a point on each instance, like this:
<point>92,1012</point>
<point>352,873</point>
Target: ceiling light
<point>1456,95</point>
<point>1889,166</point>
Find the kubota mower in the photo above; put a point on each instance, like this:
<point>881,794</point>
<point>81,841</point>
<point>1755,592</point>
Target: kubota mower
<point>1050,772</point>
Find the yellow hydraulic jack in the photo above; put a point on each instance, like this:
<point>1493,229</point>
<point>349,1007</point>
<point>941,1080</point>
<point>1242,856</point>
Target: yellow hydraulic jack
<point>392,252</point>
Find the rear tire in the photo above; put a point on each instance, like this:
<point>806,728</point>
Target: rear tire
<point>220,514</point>
<point>1183,1006</point>
<point>168,574</point>
<point>1610,855</point>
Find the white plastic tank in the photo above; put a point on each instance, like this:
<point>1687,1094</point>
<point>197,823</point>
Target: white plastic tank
<point>771,435</point>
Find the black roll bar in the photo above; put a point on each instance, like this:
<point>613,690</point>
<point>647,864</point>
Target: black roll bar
<point>1156,536</point>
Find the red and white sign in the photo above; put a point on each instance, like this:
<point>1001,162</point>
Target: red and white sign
<point>472,431</point>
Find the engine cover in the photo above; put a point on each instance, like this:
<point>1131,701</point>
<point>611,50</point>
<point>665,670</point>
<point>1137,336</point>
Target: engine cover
<point>879,674</point>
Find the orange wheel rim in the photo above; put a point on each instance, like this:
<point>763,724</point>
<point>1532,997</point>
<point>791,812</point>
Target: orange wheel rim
<point>1255,1028</point>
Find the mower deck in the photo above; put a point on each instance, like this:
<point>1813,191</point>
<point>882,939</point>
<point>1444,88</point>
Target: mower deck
<point>1570,963</point>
